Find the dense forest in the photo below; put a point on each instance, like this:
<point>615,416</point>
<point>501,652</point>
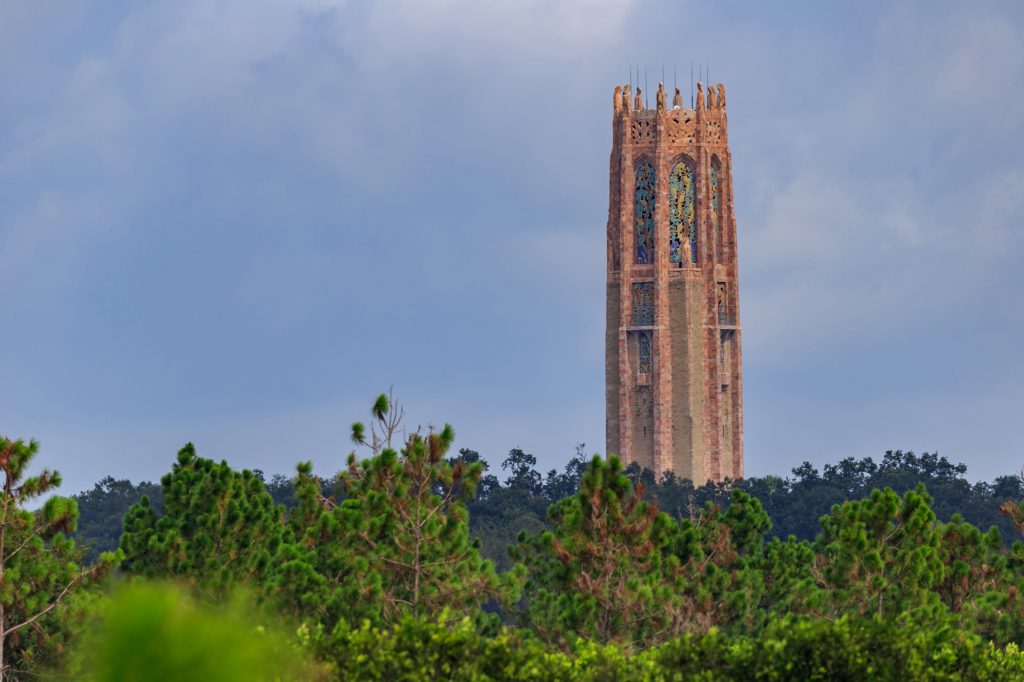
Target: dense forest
<point>416,563</point>
<point>502,509</point>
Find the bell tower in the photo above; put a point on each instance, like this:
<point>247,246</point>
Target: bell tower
<point>673,389</point>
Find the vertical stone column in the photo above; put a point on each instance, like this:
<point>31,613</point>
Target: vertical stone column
<point>627,256</point>
<point>662,378</point>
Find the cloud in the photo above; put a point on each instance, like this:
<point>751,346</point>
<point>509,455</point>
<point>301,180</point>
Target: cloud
<point>226,211</point>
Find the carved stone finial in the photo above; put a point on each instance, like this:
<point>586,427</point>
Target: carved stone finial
<point>677,100</point>
<point>721,96</point>
<point>638,101</point>
<point>661,97</point>
<point>626,103</point>
<point>700,95</point>
<point>711,98</point>
<point>617,100</point>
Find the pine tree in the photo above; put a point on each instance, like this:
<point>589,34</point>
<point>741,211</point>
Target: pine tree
<point>606,571</point>
<point>396,541</point>
<point>615,569</point>
<point>880,555</point>
<point>40,567</point>
<point>219,527</point>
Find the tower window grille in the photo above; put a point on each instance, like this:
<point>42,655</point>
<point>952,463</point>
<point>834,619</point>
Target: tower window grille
<point>644,350</point>
<point>683,212</point>
<point>643,213</point>
<point>643,304</point>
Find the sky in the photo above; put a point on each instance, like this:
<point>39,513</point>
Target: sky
<point>235,222</point>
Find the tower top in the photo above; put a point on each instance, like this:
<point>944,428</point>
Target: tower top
<point>623,102</point>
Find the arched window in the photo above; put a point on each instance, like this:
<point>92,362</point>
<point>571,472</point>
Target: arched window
<point>643,213</point>
<point>644,346</point>
<point>682,224</point>
<point>716,215</point>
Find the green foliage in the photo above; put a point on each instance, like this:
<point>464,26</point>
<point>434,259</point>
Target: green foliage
<point>218,528</point>
<point>795,504</point>
<point>102,510</point>
<point>880,555</point>
<point>40,567</point>
<point>842,650</point>
<point>606,571</point>
<point>413,650</point>
<point>616,570</point>
<point>396,543</point>
<point>156,632</point>
<point>379,564</point>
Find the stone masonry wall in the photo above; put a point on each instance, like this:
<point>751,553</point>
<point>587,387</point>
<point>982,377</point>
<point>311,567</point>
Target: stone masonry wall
<point>686,414</point>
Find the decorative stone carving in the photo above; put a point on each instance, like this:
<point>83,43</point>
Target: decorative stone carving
<point>713,132</point>
<point>661,97</point>
<point>721,96</point>
<point>626,102</point>
<point>700,95</point>
<point>642,131</point>
<point>638,101</point>
<point>617,100</point>
<point>711,98</point>
<point>680,127</point>
<point>677,100</point>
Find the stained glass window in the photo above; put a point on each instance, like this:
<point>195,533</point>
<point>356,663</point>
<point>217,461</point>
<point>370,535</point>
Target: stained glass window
<point>714,209</point>
<point>644,344</point>
<point>643,304</point>
<point>682,216</point>
<point>643,213</point>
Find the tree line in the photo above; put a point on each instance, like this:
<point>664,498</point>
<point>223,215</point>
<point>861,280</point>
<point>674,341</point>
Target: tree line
<point>518,498</point>
<point>416,563</point>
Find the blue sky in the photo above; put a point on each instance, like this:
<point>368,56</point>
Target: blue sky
<point>236,221</point>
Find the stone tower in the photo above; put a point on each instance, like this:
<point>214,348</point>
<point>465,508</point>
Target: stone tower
<point>672,345</point>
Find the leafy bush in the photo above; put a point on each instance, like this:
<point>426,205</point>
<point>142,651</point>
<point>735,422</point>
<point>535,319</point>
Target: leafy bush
<point>156,632</point>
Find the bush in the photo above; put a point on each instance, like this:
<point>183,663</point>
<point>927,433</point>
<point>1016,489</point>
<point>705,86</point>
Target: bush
<point>156,632</point>
<point>805,650</point>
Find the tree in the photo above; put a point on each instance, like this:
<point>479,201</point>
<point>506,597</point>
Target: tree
<point>398,542</point>
<point>102,509</point>
<point>523,475</point>
<point>558,486</point>
<point>880,555</point>
<point>219,528</point>
<point>40,566</point>
<point>488,483</point>
<point>605,571</point>
<point>616,569</point>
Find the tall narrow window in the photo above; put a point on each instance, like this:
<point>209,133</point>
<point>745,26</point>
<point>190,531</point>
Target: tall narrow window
<point>682,223</point>
<point>643,213</point>
<point>715,212</point>
<point>644,346</point>
<point>643,304</point>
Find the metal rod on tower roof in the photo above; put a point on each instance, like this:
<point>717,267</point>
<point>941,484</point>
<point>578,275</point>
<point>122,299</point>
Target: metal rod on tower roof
<point>646,89</point>
<point>691,85</point>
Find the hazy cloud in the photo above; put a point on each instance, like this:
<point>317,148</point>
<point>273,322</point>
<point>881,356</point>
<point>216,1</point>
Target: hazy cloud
<point>235,221</point>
